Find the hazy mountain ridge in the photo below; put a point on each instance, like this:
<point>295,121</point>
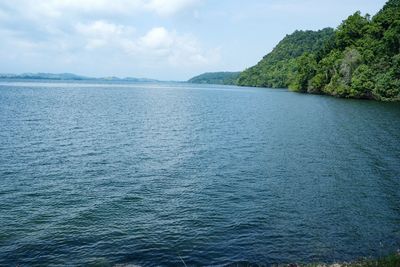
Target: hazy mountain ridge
<point>69,77</point>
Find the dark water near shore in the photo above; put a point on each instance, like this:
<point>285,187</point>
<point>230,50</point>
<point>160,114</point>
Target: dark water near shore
<point>148,174</point>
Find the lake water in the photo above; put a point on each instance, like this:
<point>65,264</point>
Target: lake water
<point>161,174</point>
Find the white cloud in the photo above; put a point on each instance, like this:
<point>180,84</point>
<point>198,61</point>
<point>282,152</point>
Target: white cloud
<point>57,8</point>
<point>78,33</point>
<point>157,38</point>
<point>101,33</point>
<point>176,49</point>
<point>34,9</point>
<point>100,28</point>
<point>157,45</point>
<point>169,7</point>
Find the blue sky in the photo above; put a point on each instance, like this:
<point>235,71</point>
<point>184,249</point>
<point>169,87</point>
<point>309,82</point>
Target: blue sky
<point>162,39</point>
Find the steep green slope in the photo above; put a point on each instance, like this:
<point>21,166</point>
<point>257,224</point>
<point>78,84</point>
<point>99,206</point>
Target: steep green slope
<point>360,59</point>
<point>227,78</point>
<point>364,61</point>
<point>277,69</point>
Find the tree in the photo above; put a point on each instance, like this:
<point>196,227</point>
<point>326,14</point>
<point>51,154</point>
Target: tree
<point>352,59</point>
<point>362,82</point>
<point>361,59</point>
<point>306,69</point>
<point>352,29</point>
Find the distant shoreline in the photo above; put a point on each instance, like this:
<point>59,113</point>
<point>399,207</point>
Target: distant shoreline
<point>69,77</point>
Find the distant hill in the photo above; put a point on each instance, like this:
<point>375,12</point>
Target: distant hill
<point>46,76</point>
<point>227,78</point>
<point>68,77</point>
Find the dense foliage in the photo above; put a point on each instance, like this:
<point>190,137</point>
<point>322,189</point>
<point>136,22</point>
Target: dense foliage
<point>278,68</point>
<point>360,59</point>
<point>216,78</point>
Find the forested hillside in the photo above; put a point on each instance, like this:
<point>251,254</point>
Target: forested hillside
<point>278,68</point>
<point>360,59</point>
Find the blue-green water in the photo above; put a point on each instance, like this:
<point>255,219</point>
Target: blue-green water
<point>158,174</point>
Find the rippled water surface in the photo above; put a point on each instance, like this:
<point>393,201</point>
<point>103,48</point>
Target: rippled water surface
<point>161,174</point>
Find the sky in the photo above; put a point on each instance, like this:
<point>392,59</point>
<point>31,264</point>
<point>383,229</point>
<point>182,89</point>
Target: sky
<point>161,39</point>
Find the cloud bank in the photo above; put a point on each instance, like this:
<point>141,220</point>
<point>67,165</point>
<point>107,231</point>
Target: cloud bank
<point>50,34</point>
